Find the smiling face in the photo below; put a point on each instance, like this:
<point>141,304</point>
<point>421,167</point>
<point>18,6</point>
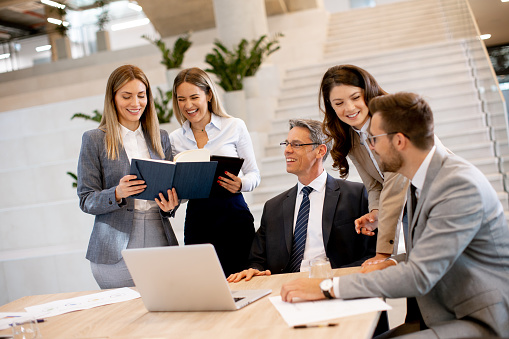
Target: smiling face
<point>130,103</point>
<point>193,103</point>
<point>305,162</point>
<point>349,105</point>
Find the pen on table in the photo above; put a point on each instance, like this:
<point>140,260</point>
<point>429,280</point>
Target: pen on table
<point>316,325</point>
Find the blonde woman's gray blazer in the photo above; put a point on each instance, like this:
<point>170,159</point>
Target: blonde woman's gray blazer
<point>98,178</point>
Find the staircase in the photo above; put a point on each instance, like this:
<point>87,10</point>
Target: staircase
<point>407,46</point>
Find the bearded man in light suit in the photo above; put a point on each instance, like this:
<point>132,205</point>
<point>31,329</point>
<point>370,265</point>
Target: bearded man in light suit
<point>457,260</point>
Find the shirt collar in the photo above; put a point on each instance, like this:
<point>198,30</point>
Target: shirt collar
<point>215,120</point>
<point>364,128</point>
<point>420,175</point>
<point>124,131</point>
<point>317,185</point>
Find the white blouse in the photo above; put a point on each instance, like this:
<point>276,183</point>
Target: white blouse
<point>227,137</point>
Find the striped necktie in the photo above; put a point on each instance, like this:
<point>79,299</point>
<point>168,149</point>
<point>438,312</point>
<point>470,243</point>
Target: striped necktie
<point>301,228</point>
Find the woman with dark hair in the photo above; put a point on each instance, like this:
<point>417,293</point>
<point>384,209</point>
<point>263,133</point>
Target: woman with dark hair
<point>223,220</point>
<point>345,92</point>
<point>129,129</point>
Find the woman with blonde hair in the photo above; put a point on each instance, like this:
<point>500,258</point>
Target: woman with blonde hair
<point>224,220</point>
<point>129,129</point>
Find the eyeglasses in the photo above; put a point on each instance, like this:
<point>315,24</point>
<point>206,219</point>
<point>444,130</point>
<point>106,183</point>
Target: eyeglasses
<point>372,138</point>
<point>296,145</point>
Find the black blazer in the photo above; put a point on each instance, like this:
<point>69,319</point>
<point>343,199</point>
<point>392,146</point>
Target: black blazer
<point>344,202</point>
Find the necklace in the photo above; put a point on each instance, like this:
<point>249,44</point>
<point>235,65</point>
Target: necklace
<point>197,129</point>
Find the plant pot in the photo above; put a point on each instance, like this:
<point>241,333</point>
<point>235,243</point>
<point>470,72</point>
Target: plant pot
<point>63,48</point>
<point>235,104</point>
<point>103,41</point>
<point>251,86</point>
<point>170,76</point>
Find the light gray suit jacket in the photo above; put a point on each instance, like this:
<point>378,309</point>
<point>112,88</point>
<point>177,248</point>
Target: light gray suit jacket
<point>457,261</point>
<point>98,178</point>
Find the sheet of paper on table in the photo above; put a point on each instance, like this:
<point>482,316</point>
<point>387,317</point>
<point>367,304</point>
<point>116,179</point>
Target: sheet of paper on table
<point>307,312</point>
<point>6,318</point>
<point>82,303</point>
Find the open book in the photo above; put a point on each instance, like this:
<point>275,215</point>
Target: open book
<point>192,175</point>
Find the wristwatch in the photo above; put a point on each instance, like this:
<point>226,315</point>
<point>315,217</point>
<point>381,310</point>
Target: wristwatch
<point>326,287</point>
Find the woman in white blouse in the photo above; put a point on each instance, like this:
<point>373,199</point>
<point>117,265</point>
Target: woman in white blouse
<point>223,220</point>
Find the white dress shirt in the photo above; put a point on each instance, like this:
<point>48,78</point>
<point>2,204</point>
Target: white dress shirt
<point>227,137</point>
<point>420,175</point>
<point>136,147</point>
<point>314,248</point>
<point>363,133</point>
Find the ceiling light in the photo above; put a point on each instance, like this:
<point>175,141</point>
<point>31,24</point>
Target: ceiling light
<point>53,3</point>
<point>505,85</point>
<point>54,21</point>
<point>134,7</point>
<point>485,36</point>
<point>130,24</point>
<point>58,22</point>
<point>43,48</point>
<point>5,56</point>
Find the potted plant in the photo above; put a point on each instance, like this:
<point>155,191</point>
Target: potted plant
<point>102,35</point>
<point>62,42</point>
<point>172,60</point>
<point>259,50</point>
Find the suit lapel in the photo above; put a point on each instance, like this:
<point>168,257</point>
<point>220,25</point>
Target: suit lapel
<point>288,215</point>
<point>329,204</point>
<point>433,169</point>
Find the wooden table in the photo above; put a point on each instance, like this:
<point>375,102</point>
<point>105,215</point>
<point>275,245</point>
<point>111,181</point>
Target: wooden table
<point>130,319</point>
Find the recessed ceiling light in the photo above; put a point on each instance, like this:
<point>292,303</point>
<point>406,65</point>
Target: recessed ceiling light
<point>5,55</point>
<point>43,48</point>
<point>53,3</point>
<point>485,36</point>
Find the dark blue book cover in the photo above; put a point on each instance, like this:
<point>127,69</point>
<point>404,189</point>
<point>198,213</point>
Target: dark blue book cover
<point>192,180</point>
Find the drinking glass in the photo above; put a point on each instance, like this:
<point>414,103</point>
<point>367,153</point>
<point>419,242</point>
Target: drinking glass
<point>320,268</point>
<point>25,328</point>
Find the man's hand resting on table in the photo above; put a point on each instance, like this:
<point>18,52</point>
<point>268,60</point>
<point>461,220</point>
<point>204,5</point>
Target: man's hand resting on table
<point>302,289</point>
<point>247,274</point>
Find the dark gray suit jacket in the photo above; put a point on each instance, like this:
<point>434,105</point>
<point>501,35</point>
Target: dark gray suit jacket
<point>344,202</point>
<point>457,265</point>
<point>98,178</point>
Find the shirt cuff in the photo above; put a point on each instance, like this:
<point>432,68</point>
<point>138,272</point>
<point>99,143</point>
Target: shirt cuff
<point>392,259</point>
<point>335,286</point>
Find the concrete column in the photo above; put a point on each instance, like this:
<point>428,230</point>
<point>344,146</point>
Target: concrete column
<point>237,20</point>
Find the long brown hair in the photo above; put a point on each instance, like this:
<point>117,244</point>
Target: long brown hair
<point>199,78</point>
<point>109,122</point>
<point>333,127</point>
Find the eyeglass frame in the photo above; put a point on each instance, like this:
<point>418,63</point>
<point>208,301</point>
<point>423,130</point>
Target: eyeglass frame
<point>296,145</point>
<point>372,138</point>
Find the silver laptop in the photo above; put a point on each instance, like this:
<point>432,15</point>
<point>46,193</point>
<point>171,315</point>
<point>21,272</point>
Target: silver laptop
<point>184,278</point>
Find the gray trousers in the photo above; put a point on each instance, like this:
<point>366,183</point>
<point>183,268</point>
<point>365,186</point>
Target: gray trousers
<point>147,231</point>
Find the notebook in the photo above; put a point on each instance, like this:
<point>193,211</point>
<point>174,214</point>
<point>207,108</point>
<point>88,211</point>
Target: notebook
<point>184,278</point>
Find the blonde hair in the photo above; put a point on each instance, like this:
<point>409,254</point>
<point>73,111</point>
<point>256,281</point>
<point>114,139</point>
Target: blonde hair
<point>109,122</point>
<point>199,78</point>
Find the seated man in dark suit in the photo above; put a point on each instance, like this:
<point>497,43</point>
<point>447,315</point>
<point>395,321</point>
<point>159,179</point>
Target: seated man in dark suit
<point>332,206</point>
